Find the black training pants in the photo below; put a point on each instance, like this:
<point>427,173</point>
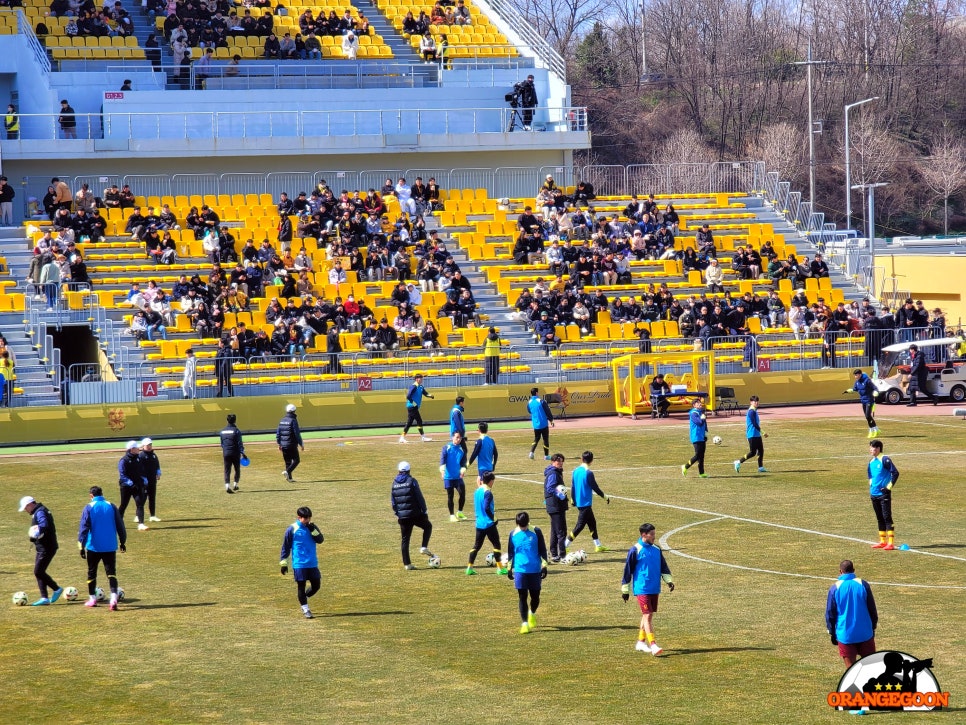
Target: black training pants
<point>491,533</point>
<point>698,457</point>
<point>585,517</point>
<point>406,527</point>
<point>868,410</point>
<point>110,568</point>
<point>413,418</point>
<point>291,458</point>
<point>543,433</point>
<point>558,534</point>
<point>44,580</point>
<point>882,505</point>
<point>234,462</point>
<point>303,593</point>
<point>137,493</point>
<point>756,447</point>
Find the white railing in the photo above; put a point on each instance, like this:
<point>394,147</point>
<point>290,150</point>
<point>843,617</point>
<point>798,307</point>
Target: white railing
<point>515,22</point>
<point>36,48</point>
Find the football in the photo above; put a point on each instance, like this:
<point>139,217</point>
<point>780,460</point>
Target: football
<point>70,594</point>
<point>33,532</point>
<point>716,440</point>
<point>490,559</point>
<point>120,594</point>
<point>572,559</point>
<point>434,562</point>
<point>99,594</point>
<point>20,599</point>
<point>581,555</point>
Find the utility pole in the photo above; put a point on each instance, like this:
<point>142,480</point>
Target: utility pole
<point>812,130</point>
<point>848,168</point>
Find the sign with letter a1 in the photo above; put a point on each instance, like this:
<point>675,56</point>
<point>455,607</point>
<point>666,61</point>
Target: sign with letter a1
<point>764,365</point>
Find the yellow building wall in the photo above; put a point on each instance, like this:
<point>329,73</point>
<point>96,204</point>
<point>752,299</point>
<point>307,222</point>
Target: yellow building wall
<point>937,280</point>
<point>373,409</point>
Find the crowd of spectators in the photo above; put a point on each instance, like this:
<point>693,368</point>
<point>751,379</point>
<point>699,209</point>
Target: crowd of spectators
<point>87,20</point>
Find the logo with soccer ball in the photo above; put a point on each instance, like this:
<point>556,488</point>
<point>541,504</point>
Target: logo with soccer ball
<point>889,681</point>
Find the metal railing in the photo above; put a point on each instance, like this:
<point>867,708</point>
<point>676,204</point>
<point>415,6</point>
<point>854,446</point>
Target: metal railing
<point>515,23</point>
<point>26,31</point>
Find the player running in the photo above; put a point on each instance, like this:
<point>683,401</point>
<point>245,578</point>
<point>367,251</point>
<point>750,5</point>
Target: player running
<point>485,508</point>
<point>754,434</point>
<point>300,540</point>
<point>414,399</point>
<point>644,570</point>
<point>699,437</point>
<point>583,486</point>
<point>527,555</point>
<point>484,452</point>
<point>867,395</point>
<point>883,475</point>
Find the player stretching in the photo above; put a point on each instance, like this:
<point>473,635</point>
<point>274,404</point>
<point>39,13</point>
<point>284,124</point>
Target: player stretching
<point>452,466</point>
<point>485,523</point>
<point>583,486</point>
<point>867,395</point>
<point>754,434</point>
<point>883,475</point>
<point>414,398</point>
<point>699,437</point>
<point>542,420</point>
<point>644,570</point>
<point>484,452</point>
<point>300,540</point>
<point>527,554</point>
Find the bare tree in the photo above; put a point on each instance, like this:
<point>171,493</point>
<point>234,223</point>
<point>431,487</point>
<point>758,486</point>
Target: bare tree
<point>780,146</point>
<point>561,22</point>
<point>944,170</point>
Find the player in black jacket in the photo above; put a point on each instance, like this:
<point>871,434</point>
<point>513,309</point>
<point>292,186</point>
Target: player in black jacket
<point>151,468</point>
<point>45,542</point>
<point>232,450</point>
<point>410,508</point>
<point>289,440</point>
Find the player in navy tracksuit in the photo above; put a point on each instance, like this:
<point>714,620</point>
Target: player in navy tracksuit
<point>753,432</point>
<point>485,508</point>
<point>644,570</point>
<point>698,425</point>
<point>411,511</point>
<point>414,398</point>
<point>100,535</point>
<point>527,556</point>
<point>132,482</point>
<point>883,475</point>
<point>583,487</point>
<point>457,423</point>
<point>232,450</point>
<point>288,436</point>
<point>542,420</point>
<point>867,395</point>
<point>151,468</point>
<point>555,498</point>
<point>484,452</point>
<point>300,540</point>
<point>45,543</point>
<point>452,466</point>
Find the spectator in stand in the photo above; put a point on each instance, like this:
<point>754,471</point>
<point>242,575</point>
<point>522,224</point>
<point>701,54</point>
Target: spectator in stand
<point>286,47</point>
<point>714,276</point>
<point>427,48</point>
<point>272,48</point>
<point>62,196</point>
<point>705,241</point>
<point>818,267</point>
<point>7,195</point>
<point>350,45</point>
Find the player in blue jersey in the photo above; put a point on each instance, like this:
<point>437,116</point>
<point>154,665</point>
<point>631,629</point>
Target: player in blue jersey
<point>457,423</point>
<point>527,556</point>
<point>698,425</point>
<point>485,508</point>
<point>644,571</point>
<point>867,397</point>
<point>883,474</point>
<point>754,435</point>
<point>414,399</point>
<point>542,420</point>
<point>300,540</point>
<point>484,452</point>
<point>452,466</point>
<point>583,486</point>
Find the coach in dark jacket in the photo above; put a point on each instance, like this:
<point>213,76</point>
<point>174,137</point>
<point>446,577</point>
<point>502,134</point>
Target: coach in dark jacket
<point>132,482</point>
<point>410,508</point>
<point>555,498</point>
<point>289,440</point>
<point>232,450</point>
<point>45,541</point>
<point>918,374</point>
<point>151,468</point>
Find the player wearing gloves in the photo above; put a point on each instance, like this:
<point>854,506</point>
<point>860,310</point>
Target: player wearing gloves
<point>100,535</point>
<point>883,475</point>
<point>643,572</point>
<point>452,466</point>
<point>867,395</point>
<point>485,508</point>
<point>756,446</point>
<point>555,498</point>
<point>527,555</point>
<point>850,615</point>
<point>300,541</point>
<point>583,487</point>
<point>699,438</point>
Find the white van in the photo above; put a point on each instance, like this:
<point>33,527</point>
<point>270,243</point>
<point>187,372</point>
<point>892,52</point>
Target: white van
<point>945,379</point>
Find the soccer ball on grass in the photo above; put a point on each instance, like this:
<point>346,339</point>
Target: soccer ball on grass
<point>99,594</point>
<point>70,594</point>
<point>20,599</point>
<point>434,562</point>
<point>490,559</point>
<point>717,440</point>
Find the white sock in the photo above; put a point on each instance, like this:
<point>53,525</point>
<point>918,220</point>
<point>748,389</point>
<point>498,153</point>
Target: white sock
<point>113,598</point>
<point>305,607</point>
<point>567,543</point>
<point>596,542</point>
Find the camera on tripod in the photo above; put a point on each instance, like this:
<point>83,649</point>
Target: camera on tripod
<point>513,97</point>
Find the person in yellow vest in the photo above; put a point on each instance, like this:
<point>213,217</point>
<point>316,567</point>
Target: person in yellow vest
<point>491,353</point>
<point>11,123</point>
<point>6,370</point>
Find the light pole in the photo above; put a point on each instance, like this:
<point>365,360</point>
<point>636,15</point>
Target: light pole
<point>848,168</point>
<point>870,228</point>
<point>808,63</point>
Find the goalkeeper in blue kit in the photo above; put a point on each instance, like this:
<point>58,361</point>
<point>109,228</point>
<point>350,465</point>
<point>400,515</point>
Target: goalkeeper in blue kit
<point>300,541</point>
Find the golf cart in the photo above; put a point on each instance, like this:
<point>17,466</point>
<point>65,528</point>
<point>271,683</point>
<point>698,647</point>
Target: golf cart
<point>945,379</point>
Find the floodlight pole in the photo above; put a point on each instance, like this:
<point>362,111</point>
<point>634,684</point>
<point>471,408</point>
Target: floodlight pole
<point>870,226</point>
<point>808,63</point>
<point>848,168</point>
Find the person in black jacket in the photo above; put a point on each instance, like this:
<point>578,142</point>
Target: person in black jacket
<point>289,440</point>
<point>918,374</point>
<point>555,498</point>
<point>410,508</point>
<point>132,483</point>
<point>151,468</point>
<point>224,367</point>
<point>528,100</point>
<point>45,541</point>
<point>232,450</point>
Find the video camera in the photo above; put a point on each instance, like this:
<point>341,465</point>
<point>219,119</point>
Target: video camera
<point>513,97</point>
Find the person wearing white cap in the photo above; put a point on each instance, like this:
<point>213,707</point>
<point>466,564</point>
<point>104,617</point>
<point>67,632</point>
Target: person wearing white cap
<point>151,468</point>
<point>43,535</point>
<point>410,508</point>
<point>289,440</point>
<point>133,483</point>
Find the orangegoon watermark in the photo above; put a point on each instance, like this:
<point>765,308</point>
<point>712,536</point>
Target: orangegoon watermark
<point>889,681</point>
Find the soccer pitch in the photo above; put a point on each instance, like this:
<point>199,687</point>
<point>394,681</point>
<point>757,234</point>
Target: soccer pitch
<point>211,632</point>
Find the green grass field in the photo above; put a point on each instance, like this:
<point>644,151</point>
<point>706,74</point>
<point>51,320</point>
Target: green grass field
<point>211,632</point>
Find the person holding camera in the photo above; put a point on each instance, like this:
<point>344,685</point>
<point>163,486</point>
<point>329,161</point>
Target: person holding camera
<point>528,101</point>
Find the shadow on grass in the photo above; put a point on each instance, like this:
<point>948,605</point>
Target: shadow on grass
<point>592,628</point>
<point>799,471</point>
<point>130,604</point>
<point>942,546</point>
<point>270,490</point>
<point>185,521</point>
<point>365,614</point>
<point>709,650</point>
<point>192,526</point>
